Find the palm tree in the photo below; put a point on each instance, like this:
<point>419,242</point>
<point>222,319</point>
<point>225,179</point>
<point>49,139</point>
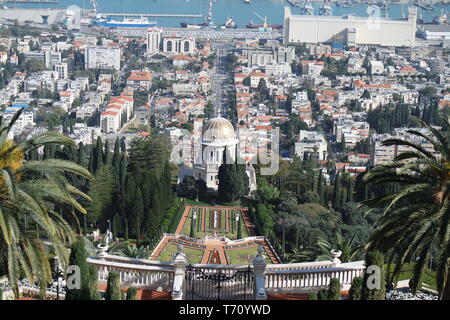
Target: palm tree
<point>416,218</point>
<point>31,193</point>
<point>125,250</point>
<point>350,251</point>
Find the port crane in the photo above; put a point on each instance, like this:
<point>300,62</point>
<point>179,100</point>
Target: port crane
<point>263,19</point>
<point>94,5</point>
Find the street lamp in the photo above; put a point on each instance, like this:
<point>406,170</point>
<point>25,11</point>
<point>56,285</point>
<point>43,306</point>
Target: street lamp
<point>58,278</point>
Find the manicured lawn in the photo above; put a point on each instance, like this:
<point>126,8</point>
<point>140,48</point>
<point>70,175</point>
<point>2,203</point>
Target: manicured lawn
<point>195,203</point>
<point>192,255</point>
<point>208,213</point>
<point>429,276</point>
<point>243,256</point>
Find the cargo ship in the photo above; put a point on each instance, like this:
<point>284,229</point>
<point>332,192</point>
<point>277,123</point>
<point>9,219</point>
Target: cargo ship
<point>208,23</point>
<point>251,25</point>
<point>125,23</point>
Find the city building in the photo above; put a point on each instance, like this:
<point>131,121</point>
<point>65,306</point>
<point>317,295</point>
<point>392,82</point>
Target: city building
<point>313,144</point>
<point>154,36</point>
<point>349,30</point>
<point>179,45</point>
<point>140,79</point>
<point>102,58</point>
<point>62,70</point>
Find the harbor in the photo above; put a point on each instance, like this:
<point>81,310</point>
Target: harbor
<point>261,15</point>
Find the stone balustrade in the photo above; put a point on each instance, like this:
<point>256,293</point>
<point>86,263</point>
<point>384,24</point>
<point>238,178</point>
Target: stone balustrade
<point>309,278</point>
<point>149,276</point>
<point>272,278</point>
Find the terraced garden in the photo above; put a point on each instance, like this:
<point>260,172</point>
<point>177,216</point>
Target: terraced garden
<point>192,255</point>
<point>204,225</point>
<point>243,255</point>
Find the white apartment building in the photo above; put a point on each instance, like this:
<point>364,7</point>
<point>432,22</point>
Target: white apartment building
<point>153,40</point>
<point>278,69</point>
<point>62,70</point>
<point>313,143</point>
<point>380,154</point>
<point>102,58</point>
<point>185,89</point>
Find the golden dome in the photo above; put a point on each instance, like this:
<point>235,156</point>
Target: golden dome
<point>218,130</point>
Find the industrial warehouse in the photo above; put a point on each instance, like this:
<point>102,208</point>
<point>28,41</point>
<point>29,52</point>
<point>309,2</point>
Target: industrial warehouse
<point>349,30</point>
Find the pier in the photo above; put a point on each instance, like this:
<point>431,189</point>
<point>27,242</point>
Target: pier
<point>32,1</point>
<point>160,15</point>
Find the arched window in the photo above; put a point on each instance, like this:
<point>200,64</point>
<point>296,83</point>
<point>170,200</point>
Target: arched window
<point>186,46</point>
<point>169,46</point>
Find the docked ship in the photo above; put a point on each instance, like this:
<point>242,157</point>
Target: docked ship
<point>325,9</point>
<point>252,25</point>
<point>230,24</point>
<point>125,23</point>
<point>208,23</point>
<point>441,19</point>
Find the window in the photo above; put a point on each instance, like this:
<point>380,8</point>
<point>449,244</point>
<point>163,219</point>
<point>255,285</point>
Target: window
<point>169,45</point>
<point>186,46</point>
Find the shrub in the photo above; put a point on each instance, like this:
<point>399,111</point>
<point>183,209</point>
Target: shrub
<point>312,296</point>
<point>356,288</point>
<point>113,287</point>
<point>131,293</point>
<point>322,295</point>
<point>334,289</point>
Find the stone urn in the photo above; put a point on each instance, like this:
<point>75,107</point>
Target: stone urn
<point>102,249</point>
<point>336,254</point>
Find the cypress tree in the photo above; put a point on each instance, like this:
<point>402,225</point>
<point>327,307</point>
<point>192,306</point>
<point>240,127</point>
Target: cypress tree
<point>239,233</point>
<point>131,293</point>
<point>349,191</point>
<point>320,187</point>
<point>373,258</point>
<point>91,164</point>
<point>337,190</point>
<point>334,289</point>
<point>113,291</point>
<point>107,157</point>
<point>81,155</point>
<point>116,158</point>
<point>78,256</point>
<point>98,154</point>
<point>355,289</point>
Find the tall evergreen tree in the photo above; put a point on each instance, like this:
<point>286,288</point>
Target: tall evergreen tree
<point>78,256</point>
<point>113,291</point>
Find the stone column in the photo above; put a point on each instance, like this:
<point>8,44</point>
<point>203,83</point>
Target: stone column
<point>179,262</point>
<point>259,267</point>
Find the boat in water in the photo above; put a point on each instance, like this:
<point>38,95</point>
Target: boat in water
<point>111,22</point>
<point>230,24</point>
<point>252,25</point>
<point>246,1</point>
